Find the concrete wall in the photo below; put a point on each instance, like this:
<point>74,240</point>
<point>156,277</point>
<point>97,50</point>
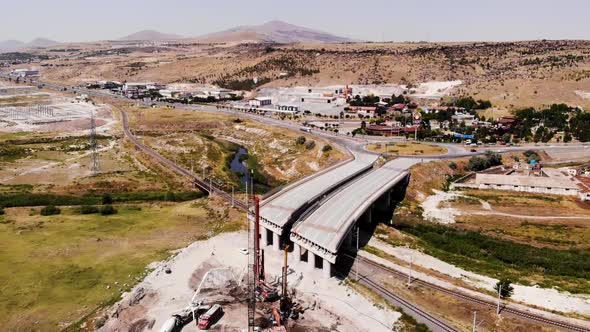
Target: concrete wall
<point>532,189</point>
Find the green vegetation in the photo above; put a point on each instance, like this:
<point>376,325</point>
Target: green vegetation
<point>477,163</point>
<point>58,269</point>
<point>36,199</point>
<point>107,210</point>
<point>50,210</point>
<point>504,287</point>
<point>469,103</point>
<point>300,140</point>
<point>568,269</point>
<point>88,209</point>
<point>326,148</point>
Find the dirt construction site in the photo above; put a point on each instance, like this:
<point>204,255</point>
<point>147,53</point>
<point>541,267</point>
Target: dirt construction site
<point>214,272</point>
<point>44,112</point>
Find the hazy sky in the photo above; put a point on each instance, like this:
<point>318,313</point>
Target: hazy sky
<point>379,20</point>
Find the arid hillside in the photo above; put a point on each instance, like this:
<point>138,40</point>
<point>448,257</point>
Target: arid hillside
<point>510,74</point>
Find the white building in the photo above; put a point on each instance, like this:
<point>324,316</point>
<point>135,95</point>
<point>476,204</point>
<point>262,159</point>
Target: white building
<point>260,101</point>
<point>24,73</point>
<point>464,117</point>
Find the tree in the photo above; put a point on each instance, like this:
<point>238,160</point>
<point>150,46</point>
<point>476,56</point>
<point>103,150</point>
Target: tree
<point>326,148</point>
<point>107,199</point>
<point>505,288</point>
<point>107,210</point>
<point>300,140</point>
<point>50,210</point>
<point>88,209</point>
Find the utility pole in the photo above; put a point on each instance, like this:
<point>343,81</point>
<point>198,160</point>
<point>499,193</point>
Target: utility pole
<point>410,271</point>
<point>95,168</point>
<point>499,292</point>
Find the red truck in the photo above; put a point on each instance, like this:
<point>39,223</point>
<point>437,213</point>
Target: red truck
<point>210,317</point>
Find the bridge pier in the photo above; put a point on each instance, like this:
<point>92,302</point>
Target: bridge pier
<point>368,215</point>
<point>326,268</point>
<point>311,260</point>
<point>296,253</point>
<point>264,236</point>
<point>276,241</point>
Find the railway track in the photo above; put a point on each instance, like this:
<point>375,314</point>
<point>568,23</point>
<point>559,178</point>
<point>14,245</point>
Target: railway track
<point>473,299</point>
<point>434,323</point>
<point>209,187</point>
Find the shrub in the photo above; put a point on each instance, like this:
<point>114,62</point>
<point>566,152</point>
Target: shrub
<point>452,165</point>
<point>107,210</point>
<point>300,140</point>
<point>88,209</point>
<point>50,210</point>
<point>310,145</point>
<point>327,148</point>
<point>107,199</point>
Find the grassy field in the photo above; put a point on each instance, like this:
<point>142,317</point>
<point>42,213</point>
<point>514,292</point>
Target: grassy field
<point>413,149</point>
<point>55,270</point>
<point>496,257</point>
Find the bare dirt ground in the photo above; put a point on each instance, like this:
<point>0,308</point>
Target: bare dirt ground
<point>510,74</point>
<point>549,299</point>
<point>329,305</point>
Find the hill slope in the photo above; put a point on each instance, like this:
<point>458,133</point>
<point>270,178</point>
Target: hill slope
<point>151,35</point>
<point>274,31</point>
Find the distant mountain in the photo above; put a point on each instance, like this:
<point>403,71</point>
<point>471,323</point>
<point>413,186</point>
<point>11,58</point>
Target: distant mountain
<point>151,35</point>
<point>10,45</point>
<point>42,42</point>
<point>274,31</point>
<point>15,45</point>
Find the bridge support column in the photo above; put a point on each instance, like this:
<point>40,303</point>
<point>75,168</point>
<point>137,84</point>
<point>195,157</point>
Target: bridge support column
<point>326,268</point>
<point>264,237</point>
<point>296,253</point>
<point>276,242</point>
<point>310,260</point>
<point>368,215</point>
<point>349,238</point>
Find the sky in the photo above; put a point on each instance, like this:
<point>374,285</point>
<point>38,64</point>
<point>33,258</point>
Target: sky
<point>377,20</point>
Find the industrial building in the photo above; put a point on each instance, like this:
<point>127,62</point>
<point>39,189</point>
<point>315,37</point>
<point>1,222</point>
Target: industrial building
<point>527,178</point>
<point>260,102</point>
<point>23,73</point>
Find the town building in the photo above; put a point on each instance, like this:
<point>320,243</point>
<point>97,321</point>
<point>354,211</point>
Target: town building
<point>260,101</point>
<point>22,73</point>
<point>467,118</point>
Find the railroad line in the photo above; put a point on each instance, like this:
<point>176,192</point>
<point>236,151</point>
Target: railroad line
<point>473,299</point>
<point>201,183</point>
<point>433,322</point>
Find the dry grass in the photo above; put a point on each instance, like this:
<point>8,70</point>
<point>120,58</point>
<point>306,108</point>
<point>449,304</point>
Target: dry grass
<point>494,71</point>
<point>58,269</point>
<point>414,149</point>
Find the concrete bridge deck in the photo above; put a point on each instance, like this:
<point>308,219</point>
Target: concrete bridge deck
<point>324,230</point>
<point>283,208</point>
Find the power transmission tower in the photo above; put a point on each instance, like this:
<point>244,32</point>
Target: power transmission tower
<point>95,167</point>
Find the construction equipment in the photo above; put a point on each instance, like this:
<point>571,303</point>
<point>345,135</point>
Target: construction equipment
<point>210,317</point>
<point>285,304</point>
